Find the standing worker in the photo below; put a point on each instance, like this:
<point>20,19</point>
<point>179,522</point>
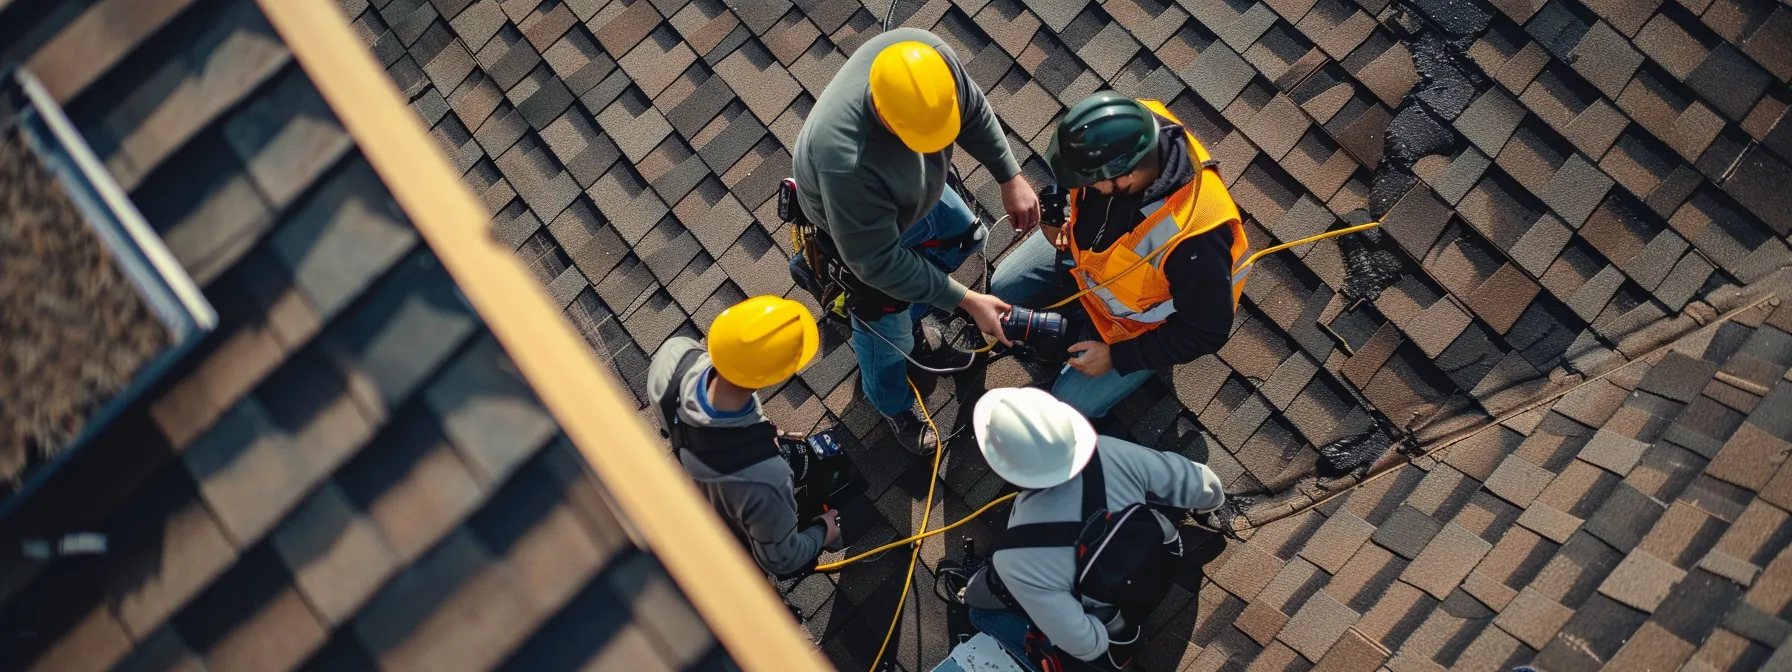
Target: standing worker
<point>871,164</point>
<point>1083,561</point>
<point>708,405</point>
<point>1150,216</point>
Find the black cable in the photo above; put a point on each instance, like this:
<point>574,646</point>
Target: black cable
<point>891,11</point>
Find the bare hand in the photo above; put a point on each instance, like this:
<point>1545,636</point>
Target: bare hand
<point>987,312</point>
<point>1095,361</point>
<point>1021,204</point>
<point>1053,235</point>
<point>831,521</point>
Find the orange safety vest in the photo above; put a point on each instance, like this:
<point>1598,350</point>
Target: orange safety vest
<point>1140,300</point>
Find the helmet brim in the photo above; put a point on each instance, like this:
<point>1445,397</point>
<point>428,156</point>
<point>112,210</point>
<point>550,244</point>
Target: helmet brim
<point>1068,177</point>
<point>930,140</point>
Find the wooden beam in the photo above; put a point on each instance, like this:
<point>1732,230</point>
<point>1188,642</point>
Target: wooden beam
<point>676,523</point>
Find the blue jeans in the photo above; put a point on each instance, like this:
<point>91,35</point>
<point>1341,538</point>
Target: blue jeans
<point>1029,277</point>
<point>1008,628</point>
<point>883,371</point>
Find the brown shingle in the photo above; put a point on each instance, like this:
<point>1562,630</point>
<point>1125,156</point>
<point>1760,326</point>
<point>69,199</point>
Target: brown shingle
<point>185,552</point>
<point>96,642</point>
<point>1750,457</point>
<point>228,62</point>
<point>335,554</point>
<point>461,579</point>
<point>1366,578</point>
<point>1488,590</point>
<point>546,23</point>
<point>1390,75</point>
<point>1641,581</point>
<point>1318,625</point>
<point>1493,649</point>
<point>1337,540</point>
<point>1652,646</point>
<point>252,618</point>
<point>1446,560</point>
<point>1533,618</point>
<point>1549,521</point>
<point>1396,615</point>
<point>1758,535</point>
<point>763,84</point>
<point>1261,622</point>
<point>621,25</point>
<point>95,42</point>
<point>1352,653</point>
<point>1613,452</point>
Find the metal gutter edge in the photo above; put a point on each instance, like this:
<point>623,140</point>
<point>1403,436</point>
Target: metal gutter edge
<point>673,519</point>
<point>139,252</point>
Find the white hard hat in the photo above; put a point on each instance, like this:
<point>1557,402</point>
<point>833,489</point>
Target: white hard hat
<point>1030,438</point>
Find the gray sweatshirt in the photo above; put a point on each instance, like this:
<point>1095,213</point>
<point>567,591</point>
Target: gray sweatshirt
<point>859,183</point>
<point>758,502</point>
<point>1040,579</point>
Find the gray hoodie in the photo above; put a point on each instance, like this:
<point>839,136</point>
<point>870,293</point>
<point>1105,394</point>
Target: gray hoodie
<point>758,502</point>
<point>1041,579</point>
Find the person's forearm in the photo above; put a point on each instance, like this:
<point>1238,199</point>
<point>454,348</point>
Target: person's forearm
<point>905,276</point>
<point>1184,483</point>
<point>1176,342</point>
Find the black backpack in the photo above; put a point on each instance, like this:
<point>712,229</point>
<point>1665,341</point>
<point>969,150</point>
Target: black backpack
<point>1122,559</point>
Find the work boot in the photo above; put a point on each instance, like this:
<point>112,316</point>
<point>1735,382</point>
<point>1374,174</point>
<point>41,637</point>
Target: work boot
<point>913,433</point>
<point>943,358</point>
<point>935,354</point>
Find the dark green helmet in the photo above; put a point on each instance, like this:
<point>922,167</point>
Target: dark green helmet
<point>1101,138</point>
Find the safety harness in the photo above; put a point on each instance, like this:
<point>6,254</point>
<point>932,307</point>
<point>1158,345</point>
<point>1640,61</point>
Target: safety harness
<point>841,292</point>
<point>724,449</point>
<point>1123,561</point>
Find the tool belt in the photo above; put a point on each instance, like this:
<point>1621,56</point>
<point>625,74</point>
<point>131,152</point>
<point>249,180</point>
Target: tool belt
<point>836,288</point>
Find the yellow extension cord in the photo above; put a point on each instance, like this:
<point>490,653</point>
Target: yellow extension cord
<point>908,577</point>
<point>940,448</point>
<point>1248,262</point>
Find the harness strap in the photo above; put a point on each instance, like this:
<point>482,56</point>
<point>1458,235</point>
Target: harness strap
<point>1064,534</point>
<point>724,449</point>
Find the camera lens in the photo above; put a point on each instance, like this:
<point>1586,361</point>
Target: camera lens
<point>1022,324</point>
<point>1048,325</point>
<point>1017,324</point>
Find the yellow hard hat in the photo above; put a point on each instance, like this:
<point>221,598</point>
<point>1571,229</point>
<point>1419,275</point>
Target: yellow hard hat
<point>763,340</point>
<point>915,93</point>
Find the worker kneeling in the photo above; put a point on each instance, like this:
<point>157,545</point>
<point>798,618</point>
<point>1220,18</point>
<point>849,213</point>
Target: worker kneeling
<point>1150,236</point>
<point>708,405</point>
<point>1084,561</point>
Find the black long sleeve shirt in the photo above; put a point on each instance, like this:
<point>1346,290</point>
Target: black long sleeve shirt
<point>1199,268</point>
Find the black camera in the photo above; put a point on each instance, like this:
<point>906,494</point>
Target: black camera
<point>1022,324</point>
<point>819,469</point>
<point>1054,206</point>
